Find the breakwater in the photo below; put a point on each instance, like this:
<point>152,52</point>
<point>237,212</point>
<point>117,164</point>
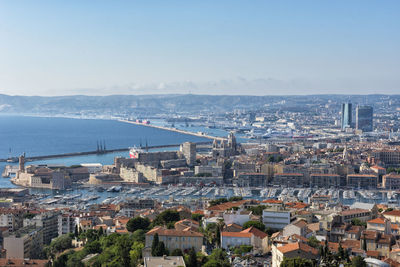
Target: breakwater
<point>198,134</point>
<point>74,154</point>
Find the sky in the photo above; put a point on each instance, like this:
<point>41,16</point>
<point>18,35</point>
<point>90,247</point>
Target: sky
<point>103,47</point>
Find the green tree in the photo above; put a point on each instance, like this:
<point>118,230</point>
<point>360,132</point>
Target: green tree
<point>257,210</point>
<point>101,231</point>
<point>358,222</point>
<point>76,232</point>
<point>197,217</point>
<point>192,258</point>
<point>257,224</point>
<point>136,252</point>
<point>313,242</point>
<point>177,252</point>
<point>219,255</point>
<point>235,198</point>
<point>137,223</point>
<point>341,252</point>
<point>59,244</point>
<point>358,261</point>
<point>166,217</point>
<point>93,247</point>
<point>123,246</point>
<point>139,236</point>
<point>243,249</point>
<point>160,250</point>
<point>154,244</point>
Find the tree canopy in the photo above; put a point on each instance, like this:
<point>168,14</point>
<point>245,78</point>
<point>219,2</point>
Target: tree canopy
<point>137,223</point>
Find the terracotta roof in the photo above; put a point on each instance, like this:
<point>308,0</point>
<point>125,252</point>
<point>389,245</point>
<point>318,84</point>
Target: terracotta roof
<point>188,221</point>
<point>361,175</point>
<point>351,243</point>
<point>227,205</point>
<point>392,213</point>
<point>300,223</point>
<point>367,234</point>
<point>234,225</point>
<point>201,212</point>
<point>236,234</point>
<point>377,167</point>
<point>297,246</point>
<point>373,253</point>
<point>354,229</point>
<point>276,234</point>
<point>272,201</point>
<point>255,232</point>
<point>299,238</point>
<point>377,221</point>
<point>313,226</point>
<point>297,205</point>
<point>85,222</point>
<point>121,230</point>
<point>172,232</point>
<point>353,211</point>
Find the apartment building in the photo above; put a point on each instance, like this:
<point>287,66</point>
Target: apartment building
<point>174,239</point>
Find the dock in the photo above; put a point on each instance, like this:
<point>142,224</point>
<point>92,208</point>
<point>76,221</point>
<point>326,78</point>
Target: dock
<point>74,154</point>
<point>199,134</point>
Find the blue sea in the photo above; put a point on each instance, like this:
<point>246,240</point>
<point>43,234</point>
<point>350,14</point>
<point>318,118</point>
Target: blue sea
<point>37,136</point>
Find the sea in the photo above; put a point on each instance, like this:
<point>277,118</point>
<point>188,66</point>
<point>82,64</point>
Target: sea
<point>37,136</point>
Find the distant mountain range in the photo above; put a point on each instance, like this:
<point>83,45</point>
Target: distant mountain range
<point>148,105</point>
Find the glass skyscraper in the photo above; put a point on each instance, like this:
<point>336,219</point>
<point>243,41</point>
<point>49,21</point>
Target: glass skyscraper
<point>364,116</point>
<point>346,115</point>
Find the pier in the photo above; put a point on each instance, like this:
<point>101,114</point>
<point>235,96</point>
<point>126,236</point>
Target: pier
<point>176,130</point>
<point>74,154</point>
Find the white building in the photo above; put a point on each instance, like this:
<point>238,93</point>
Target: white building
<point>236,216</point>
<point>250,236</point>
<point>277,218</point>
<point>27,242</point>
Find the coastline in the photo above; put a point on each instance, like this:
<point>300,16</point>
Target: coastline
<point>175,130</point>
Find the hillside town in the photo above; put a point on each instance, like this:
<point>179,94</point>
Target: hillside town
<point>324,200</point>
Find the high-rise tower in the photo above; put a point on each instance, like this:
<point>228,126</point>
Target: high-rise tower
<point>346,119</point>
<point>364,120</point>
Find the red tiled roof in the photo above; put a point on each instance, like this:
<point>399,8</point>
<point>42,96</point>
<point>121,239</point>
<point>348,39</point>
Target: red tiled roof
<point>272,201</point>
<point>172,232</point>
<point>297,246</point>
<point>236,234</point>
<point>392,213</point>
<point>373,253</point>
<point>255,232</point>
<point>377,221</point>
<point>227,205</point>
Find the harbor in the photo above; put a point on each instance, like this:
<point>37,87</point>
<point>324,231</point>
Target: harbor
<point>102,151</point>
<point>198,134</point>
<point>84,196</point>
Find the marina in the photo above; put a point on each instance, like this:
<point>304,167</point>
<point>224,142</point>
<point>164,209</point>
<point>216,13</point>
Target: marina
<point>83,197</point>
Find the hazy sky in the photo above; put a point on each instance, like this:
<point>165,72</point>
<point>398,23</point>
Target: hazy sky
<point>217,47</point>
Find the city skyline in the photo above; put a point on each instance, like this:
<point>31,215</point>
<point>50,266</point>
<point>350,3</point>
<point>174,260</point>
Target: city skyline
<point>262,48</point>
